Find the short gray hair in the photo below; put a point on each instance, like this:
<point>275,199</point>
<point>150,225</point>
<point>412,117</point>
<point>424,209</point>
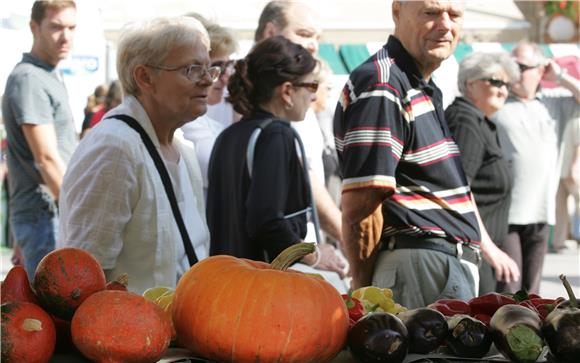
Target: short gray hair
<point>150,42</point>
<point>480,65</point>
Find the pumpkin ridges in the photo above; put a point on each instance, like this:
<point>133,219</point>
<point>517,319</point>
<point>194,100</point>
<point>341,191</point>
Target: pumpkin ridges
<point>227,296</point>
<point>193,300</point>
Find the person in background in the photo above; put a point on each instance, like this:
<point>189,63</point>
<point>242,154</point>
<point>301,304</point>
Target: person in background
<point>114,203</point>
<point>259,215</point>
<point>95,103</point>
<point>569,187</point>
<point>40,130</point>
<point>298,23</point>
<point>409,220</point>
<point>205,129</point>
<point>528,127</point>
<point>483,81</point>
<point>113,98</point>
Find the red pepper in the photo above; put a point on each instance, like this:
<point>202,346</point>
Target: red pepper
<point>483,318</point>
<point>488,304</point>
<point>544,306</point>
<point>355,308</point>
<point>528,304</point>
<point>450,307</point>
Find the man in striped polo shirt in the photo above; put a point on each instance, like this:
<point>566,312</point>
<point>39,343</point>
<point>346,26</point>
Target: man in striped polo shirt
<point>409,220</point>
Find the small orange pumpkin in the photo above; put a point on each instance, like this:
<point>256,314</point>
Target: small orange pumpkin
<point>115,326</point>
<point>64,278</point>
<point>237,310</point>
<point>28,333</point>
<point>16,287</point>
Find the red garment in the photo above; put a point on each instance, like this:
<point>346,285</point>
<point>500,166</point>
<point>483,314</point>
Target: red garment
<point>97,116</point>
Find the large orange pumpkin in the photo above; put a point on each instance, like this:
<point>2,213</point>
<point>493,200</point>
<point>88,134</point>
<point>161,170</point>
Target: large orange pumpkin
<point>237,310</point>
<point>64,278</point>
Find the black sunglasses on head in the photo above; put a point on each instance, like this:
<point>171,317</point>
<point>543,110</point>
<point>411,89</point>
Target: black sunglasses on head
<point>498,83</point>
<point>525,67</point>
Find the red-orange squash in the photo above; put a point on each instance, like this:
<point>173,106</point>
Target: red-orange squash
<point>64,278</point>
<point>16,287</point>
<point>115,326</point>
<point>237,310</point>
<point>28,334</point>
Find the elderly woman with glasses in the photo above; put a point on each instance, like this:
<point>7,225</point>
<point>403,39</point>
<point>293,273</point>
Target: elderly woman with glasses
<point>132,194</point>
<point>258,194</point>
<point>484,81</point>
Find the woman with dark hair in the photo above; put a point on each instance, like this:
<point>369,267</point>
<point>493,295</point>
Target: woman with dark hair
<point>254,203</point>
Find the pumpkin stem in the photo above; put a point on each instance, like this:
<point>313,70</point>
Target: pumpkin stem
<point>292,254</point>
<point>32,325</point>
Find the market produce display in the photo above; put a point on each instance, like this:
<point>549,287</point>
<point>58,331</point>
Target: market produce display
<point>227,309</point>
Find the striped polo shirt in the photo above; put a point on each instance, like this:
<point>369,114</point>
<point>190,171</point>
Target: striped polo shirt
<point>391,134</point>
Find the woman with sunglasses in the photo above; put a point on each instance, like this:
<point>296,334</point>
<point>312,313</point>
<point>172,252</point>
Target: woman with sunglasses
<point>484,80</point>
<point>256,204</point>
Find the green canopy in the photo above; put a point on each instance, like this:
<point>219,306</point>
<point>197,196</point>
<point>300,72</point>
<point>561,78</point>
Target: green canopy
<point>353,55</point>
<point>328,52</point>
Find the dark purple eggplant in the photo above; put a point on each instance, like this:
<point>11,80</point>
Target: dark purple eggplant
<point>517,333</point>
<point>467,337</point>
<point>427,329</point>
<point>562,328</point>
<point>379,337</point>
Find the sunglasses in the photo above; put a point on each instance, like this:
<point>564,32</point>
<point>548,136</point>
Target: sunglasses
<point>311,86</point>
<point>525,67</point>
<point>498,83</point>
<point>226,67</point>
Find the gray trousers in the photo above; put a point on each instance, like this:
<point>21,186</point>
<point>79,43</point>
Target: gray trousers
<point>419,277</point>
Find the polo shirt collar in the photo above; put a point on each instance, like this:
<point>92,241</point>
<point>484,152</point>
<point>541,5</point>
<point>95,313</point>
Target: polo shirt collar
<point>30,58</point>
<point>407,64</point>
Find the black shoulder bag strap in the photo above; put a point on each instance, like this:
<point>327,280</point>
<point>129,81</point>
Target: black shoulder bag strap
<point>189,251</point>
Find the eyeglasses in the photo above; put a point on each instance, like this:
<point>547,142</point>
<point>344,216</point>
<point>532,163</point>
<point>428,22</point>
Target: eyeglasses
<point>525,67</point>
<point>498,83</point>
<point>226,67</point>
<point>311,86</point>
<point>193,72</point>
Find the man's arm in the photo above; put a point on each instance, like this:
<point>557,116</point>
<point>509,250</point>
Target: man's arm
<point>362,224</point>
<point>328,212</point>
<point>42,142</point>
<point>555,73</point>
<point>505,267</point>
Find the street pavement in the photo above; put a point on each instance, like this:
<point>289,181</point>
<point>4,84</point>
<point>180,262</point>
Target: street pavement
<point>567,262</point>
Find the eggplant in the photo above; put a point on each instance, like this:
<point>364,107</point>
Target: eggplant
<point>467,337</point>
<point>517,333</point>
<point>379,337</point>
<point>562,328</point>
<point>427,329</point>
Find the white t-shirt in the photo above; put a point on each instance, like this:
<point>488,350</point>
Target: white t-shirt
<point>203,132</point>
<point>113,203</point>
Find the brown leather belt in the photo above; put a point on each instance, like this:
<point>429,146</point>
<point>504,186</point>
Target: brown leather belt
<point>460,250</point>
